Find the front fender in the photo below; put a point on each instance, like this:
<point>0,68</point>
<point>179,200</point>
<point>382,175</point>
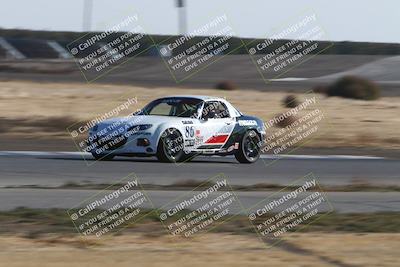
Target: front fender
<point>161,128</point>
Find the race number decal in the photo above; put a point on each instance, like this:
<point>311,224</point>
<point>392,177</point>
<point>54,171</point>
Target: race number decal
<point>189,131</point>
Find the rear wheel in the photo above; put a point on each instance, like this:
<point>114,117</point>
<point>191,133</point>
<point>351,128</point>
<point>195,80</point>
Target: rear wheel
<point>170,146</point>
<point>249,149</point>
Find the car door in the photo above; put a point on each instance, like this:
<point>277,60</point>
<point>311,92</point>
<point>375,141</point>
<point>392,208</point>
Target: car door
<point>215,127</point>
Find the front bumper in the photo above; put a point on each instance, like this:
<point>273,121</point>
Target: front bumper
<point>141,143</point>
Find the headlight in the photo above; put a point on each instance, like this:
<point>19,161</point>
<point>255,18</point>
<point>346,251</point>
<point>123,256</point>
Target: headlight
<point>141,127</point>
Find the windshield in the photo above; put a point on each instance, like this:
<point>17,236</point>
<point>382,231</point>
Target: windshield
<point>176,107</point>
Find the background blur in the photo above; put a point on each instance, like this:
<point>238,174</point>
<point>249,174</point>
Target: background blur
<point>354,155</point>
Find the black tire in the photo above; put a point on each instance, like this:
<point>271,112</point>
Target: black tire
<point>249,149</point>
<point>170,146</point>
<point>103,157</point>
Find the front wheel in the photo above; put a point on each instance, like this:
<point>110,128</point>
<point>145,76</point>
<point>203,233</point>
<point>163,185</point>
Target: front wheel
<point>249,149</point>
<point>170,146</point>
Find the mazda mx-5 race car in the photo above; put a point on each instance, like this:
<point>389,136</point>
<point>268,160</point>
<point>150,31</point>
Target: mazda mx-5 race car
<point>178,128</point>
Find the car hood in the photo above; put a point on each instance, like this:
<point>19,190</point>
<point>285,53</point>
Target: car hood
<point>143,119</point>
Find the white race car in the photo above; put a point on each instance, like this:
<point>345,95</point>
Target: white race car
<point>178,128</point>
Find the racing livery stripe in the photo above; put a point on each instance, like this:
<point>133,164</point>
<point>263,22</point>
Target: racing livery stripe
<point>219,139</point>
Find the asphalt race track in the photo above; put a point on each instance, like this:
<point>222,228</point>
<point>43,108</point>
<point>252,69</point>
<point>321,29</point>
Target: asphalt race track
<point>57,169</point>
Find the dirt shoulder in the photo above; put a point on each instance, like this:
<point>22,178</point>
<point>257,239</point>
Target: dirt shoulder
<point>42,111</point>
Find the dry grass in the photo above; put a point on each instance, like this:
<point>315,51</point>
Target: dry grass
<point>326,243</point>
<point>318,249</point>
<point>352,122</point>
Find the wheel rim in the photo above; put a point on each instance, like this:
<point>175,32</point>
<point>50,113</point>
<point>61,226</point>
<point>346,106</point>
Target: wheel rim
<point>172,143</point>
<point>250,146</point>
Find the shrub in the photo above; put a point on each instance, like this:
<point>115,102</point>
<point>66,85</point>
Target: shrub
<point>226,85</point>
<point>320,89</point>
<point>290,101</point>
<point>354,87</point>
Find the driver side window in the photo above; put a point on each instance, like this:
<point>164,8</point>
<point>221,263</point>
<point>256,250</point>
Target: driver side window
<point>215,110</point>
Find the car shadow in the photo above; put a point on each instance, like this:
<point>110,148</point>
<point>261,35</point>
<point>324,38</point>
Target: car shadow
<point>141,160</point>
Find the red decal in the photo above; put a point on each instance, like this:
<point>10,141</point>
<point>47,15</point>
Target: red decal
<point>197,132</point>
<point>217,139</point>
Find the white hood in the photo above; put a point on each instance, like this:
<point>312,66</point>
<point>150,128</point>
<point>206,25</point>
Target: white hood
<point>141,119</point>
<point>144,119</point>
